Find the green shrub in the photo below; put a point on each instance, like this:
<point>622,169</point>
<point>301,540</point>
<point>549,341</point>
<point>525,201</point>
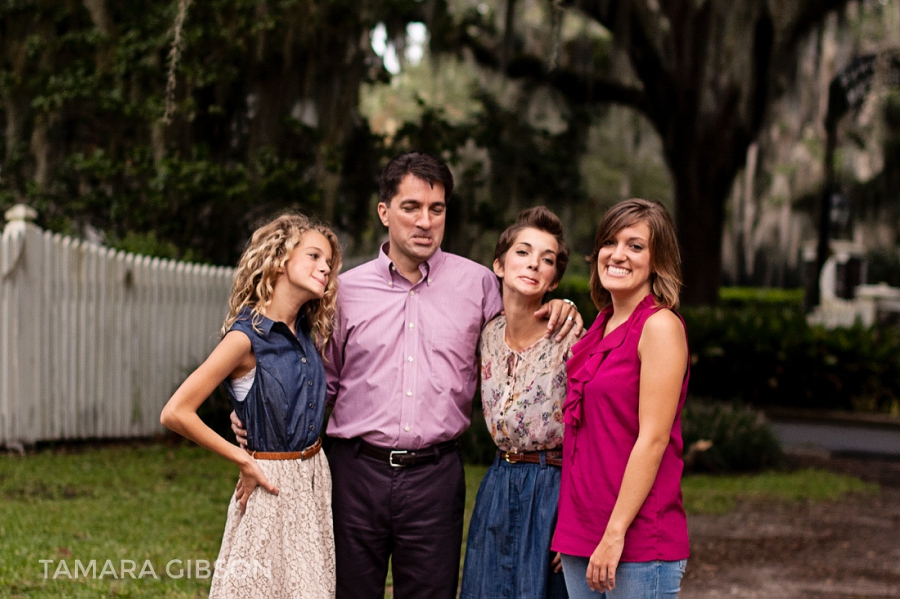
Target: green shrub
<point>761,296</point>
<point>768,355</point>
<point>739,439</point>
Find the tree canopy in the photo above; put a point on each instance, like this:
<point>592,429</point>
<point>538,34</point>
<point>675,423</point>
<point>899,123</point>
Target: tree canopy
<point>703,73</point>
<point>265,110</point>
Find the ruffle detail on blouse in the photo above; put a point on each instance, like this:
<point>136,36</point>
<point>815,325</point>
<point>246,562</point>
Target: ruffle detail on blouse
<point>589,353</point>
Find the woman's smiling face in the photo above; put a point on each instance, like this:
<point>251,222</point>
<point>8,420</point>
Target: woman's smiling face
<point>623,261</point>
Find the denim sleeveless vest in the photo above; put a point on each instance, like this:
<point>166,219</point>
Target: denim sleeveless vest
<point>284,408</point>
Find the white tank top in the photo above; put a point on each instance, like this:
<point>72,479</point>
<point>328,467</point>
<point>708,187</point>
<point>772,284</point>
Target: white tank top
<point>241,385</point>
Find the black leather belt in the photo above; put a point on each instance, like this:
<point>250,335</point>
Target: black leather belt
<point>402,458</point>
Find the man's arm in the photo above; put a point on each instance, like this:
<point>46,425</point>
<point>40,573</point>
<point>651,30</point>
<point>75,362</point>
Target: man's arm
<point>237,427</point>
<point>333,360</point>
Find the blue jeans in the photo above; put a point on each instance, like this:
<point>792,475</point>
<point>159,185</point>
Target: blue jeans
<point>634,580</point>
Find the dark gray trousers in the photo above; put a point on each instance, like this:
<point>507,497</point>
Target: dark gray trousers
<point>413,515</point>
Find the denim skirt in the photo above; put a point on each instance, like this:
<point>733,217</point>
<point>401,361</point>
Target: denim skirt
<point>508,547</point>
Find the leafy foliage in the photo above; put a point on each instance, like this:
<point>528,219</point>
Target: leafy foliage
<point>741,440</point>
<point>261,124</point>
<point>771,356</point>
<point>760,296</point>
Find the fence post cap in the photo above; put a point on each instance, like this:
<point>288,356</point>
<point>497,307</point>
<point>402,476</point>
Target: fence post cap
<point>20,213</point>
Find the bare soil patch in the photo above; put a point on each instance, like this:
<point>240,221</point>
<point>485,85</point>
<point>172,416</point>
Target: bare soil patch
<point>846,549</point>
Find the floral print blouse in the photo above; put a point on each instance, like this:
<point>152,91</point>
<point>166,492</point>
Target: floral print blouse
<point>522,392</point>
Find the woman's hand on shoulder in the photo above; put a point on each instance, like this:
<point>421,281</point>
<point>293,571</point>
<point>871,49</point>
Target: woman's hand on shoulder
<point>562,317</point>
<point>601,570</point>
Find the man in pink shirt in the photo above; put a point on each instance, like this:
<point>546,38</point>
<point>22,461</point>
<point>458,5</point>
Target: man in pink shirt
<point>402,369</point>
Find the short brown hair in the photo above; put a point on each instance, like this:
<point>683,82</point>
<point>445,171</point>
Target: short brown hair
<point>418,164</point>
<point>665,257</point>
<point>542,219</point>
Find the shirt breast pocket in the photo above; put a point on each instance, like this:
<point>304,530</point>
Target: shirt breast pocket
<point>452,358</point>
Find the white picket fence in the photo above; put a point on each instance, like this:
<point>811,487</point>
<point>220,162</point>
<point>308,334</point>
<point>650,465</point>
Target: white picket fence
<point>93,341</point>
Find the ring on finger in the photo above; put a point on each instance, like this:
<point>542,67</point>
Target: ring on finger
<point>569,318</point>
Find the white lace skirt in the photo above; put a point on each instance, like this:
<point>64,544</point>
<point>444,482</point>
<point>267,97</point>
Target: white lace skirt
<point>283,545</point>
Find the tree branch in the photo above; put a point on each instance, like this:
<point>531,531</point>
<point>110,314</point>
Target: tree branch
<point>602,11</point>
<point>654,68</point>
<point>811,14</point>
<point>576,87</point>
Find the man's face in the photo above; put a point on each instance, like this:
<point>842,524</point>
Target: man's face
<point>415,221</point>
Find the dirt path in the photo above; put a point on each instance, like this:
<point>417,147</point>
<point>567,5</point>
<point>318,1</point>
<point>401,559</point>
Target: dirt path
<point>848,549</point>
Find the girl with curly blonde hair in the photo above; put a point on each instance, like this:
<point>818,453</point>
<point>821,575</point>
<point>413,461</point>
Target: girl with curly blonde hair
<point>278,540</point>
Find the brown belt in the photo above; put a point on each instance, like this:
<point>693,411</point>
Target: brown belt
<point>289,455</point>
<point>552,457</point>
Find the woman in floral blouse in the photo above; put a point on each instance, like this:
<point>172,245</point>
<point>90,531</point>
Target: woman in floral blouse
<point>523,384</point>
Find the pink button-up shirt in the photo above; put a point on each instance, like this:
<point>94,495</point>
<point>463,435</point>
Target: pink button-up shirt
<point>402,365</point>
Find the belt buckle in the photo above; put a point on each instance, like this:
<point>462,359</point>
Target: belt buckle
<point>512,457</point>
<point>391,458</point>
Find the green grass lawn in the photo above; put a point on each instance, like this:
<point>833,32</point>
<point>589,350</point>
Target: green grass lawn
<point>158,505</point>
<point>718,494</point>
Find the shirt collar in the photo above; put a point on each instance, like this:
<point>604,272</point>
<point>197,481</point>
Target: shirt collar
<point>265,325</point>
<point>428,268</point>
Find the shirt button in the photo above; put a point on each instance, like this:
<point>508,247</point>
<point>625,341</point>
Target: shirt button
<point>406,428</point>
<point>309,383</point>
<point>409,358</point>
<point>412,292</point>
<point>408,393</point>
<point>312,405</point>
<point>303,360</point>
<point>312,428</point>
<point>412,325</point>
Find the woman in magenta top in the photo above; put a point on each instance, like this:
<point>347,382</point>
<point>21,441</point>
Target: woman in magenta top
<point>622,529</point>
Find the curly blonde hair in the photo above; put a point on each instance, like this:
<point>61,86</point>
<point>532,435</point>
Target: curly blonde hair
<point>267,251</point>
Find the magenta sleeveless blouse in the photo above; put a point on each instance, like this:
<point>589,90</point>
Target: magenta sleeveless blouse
<point>601,417</point>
